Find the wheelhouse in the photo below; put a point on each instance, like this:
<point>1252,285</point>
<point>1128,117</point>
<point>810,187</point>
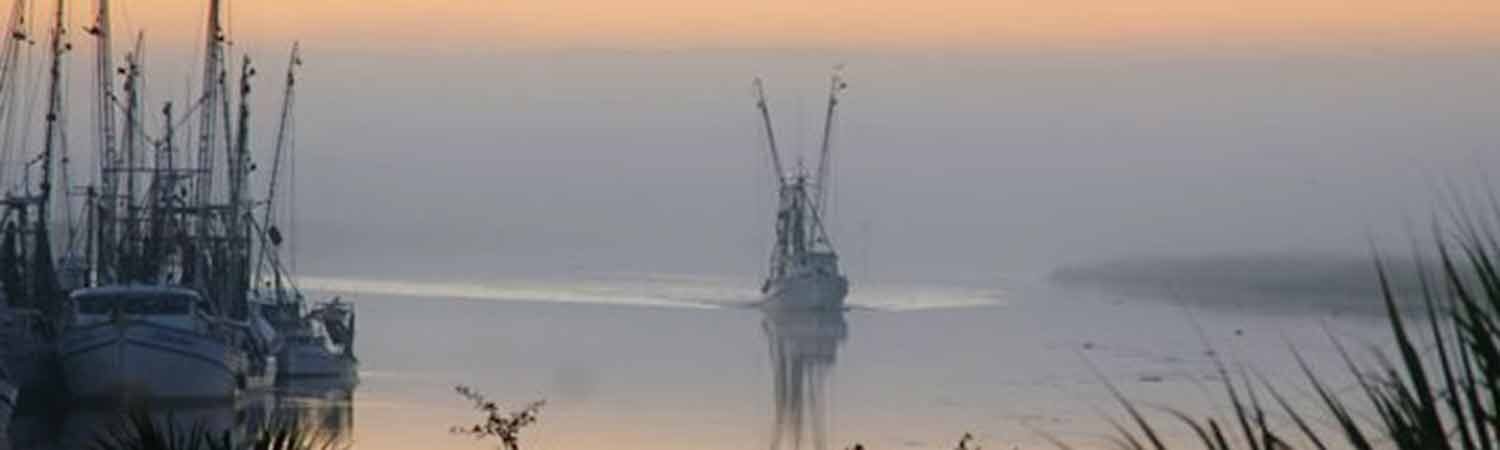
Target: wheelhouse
<point>165,305</point>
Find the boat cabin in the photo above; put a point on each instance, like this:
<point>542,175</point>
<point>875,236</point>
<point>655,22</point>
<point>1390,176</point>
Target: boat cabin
<point>816,262</point>
<point>163,305</point>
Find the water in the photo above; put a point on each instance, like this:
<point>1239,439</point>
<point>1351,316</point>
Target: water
<point>678,363</point>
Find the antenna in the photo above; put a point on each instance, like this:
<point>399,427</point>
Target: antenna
<point>765,115</point>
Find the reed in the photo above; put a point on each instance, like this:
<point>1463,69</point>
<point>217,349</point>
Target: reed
<point>1441,391</point>
<point>141,431</point>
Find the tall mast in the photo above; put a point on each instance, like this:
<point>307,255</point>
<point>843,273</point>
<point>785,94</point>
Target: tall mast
<point>108,158</point>
<point>15,36</point>
<point>57,135</point>
<point>238,221</point>
<point>765,115</point>
<point>283,142</point>
<point>835,85</point>
<point>45,284</point>
<point>283,132</point>
<point>213,84</point>
<point>54,114</point>
<point>129,236</point>
<point>160,192</point>
<point>239,164</point>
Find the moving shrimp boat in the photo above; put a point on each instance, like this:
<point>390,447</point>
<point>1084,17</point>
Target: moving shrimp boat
<point>804,271</point>
<point>159,342</point>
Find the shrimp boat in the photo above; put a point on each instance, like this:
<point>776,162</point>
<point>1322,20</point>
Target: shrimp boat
<point>322,346</point>
<point>317,343</point>
<point>314,341</point>
<point>153,341</point>
<point>31,292</point>
<point>8,396</point>
<point>804,272</point>
<point>164,306</point>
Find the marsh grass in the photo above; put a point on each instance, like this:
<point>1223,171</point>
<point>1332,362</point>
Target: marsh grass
<point>141,431</point>
<point>1440,392</point>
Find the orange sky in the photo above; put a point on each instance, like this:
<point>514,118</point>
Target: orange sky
<point>858,24</point>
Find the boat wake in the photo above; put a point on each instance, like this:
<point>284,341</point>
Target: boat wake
<point>656,291</point>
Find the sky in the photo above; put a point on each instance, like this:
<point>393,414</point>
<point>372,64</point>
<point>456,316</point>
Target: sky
<point>978,139</point>
<point>870,24</point>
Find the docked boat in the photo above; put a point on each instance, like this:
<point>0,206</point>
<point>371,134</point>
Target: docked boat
<point>8,396</point>
<point>804,271</point>
<point>148,289</point>
<point>160,342</point>
<point>317,344</point>
<point>314,341</point>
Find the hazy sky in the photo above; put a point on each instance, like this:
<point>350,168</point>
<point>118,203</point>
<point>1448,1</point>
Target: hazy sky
<point>865,24</point>
<point>978,138</point>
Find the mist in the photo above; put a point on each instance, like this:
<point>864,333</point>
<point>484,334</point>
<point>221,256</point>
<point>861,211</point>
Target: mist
<point>949,167</point>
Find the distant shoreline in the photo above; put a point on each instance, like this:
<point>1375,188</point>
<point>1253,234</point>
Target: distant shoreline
<point>1270,280</point>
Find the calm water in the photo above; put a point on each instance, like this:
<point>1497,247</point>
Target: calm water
<point>667,364</point>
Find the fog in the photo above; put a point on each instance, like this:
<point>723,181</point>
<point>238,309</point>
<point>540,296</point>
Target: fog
<point>950,166</point>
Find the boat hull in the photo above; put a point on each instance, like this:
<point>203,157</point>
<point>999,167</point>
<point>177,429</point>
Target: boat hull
<point>143,360</point>
<point>813,291</point>
<point>8,397</point>
<point>316,361</point>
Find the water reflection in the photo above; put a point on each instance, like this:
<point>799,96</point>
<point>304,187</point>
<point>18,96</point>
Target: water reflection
<point>326,409</point>
<point>325,406</point>
<point>804,346</point>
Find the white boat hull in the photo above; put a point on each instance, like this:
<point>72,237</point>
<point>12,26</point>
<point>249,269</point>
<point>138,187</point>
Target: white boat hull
<point>811,291</point>
<point>316,361</point>
<point>137,359</point>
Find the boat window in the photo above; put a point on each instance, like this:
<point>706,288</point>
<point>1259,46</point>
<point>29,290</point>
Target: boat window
<point>158,304</point>
<point>94,305</point>
<point>154,303</point>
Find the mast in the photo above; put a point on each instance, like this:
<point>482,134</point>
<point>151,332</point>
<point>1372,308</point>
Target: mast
<point>15,36</point>
<point>129,251</point>
<point>105,220</point>
<point>213,84</point>
<point>835,85</point>
<point>283,143</point>
<point>238,221</point>
<point>765,115</point>
<point>160,193</point>
<point>44,284</point>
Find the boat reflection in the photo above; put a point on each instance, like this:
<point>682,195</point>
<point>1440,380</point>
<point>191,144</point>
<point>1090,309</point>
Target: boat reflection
<point>325,410</point>
<point>804,346</point>
<point>327,407</point>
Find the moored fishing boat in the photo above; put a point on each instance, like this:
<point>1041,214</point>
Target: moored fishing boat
<point>144,341</point>
<point>9,394</point>
<point>148,290</point>
<point>314,341</point>
<point>317,344</point>
<point>167,309</point>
